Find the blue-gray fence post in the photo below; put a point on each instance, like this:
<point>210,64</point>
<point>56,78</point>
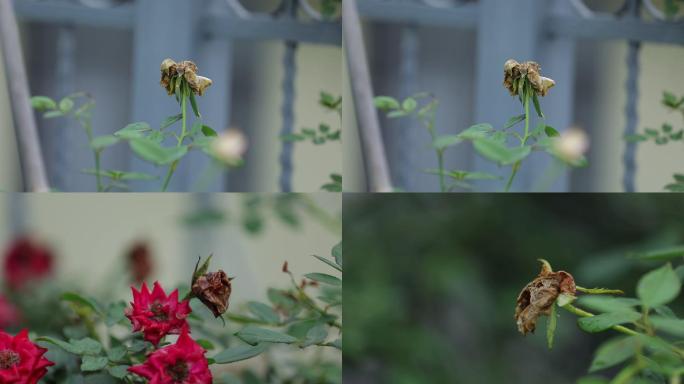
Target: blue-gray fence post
<point>506,29</point>
<point>64,144</point>
<point>162,29</point>
<point>631,87</point>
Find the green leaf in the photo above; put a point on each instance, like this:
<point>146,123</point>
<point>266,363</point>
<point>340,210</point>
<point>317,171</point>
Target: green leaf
<point>208,131</point>
<point>263,312</point>
<point>201,269</point>
<point>132,131</point>
<point>292,137</point>
<point>386,103</point>
<point>677,135</point>
<point>253,335</point>
<point>93,363</point>
<point>667,128</point>
<point>330,263</point>
<point>551,325</point>
<point>155,153</point>
<point>537,107</point>
<point>324,278</point>
<point>600,323</point>
<point>103,142</point>
<point>116,354</point>
<point>65,105</point>
<point>444,141</point>
<point>551,131</point>
<point>52,114</point>
<point>323,128</point>
<point>635,138</point>
<point>193,104</point>
<point>565,299</point>
<point>651,132</point>
<point>43,103</point>
<point>85,346</point>
<point>514,120</point>
<point>169,121</point>
<point>409,104</point>
<point>672,326</point>
<point>669,100</point>
<point>498,152</point>
<point>315,335</point>
<point>676,252</point>
<point>206,344</point>
<point>239,353</point>
<point>336,252</point>
<point>118,371</point>
<point>658,287</point>
<point>613,352</point>
<point>397,113</point>
<point>77,299</point>
<point>476,131</point>
<point>608,303</point>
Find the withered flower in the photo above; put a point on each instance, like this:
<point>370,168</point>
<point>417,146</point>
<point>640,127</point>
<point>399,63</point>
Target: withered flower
<point>537,298</point>
<point>173,74</point>
<point>516,73</point>
<point>213,289</point>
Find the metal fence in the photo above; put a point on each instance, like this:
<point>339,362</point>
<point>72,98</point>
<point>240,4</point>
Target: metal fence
<point>545,30</point>
<point>183,29</point>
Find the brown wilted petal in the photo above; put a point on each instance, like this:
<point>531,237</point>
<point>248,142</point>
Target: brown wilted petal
<point>539,295</point>
<point>529,71</point>
<point>213,289</point>
<point>172,72</point>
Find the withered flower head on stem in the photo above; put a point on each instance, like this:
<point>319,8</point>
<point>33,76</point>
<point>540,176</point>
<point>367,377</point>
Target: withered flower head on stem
<point>174,74</point>
<point>516,73</point>
<point>213,289</point>
<point>537,298</point>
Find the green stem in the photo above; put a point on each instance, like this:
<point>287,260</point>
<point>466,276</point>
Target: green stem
<point>516,165</point>
<point>600,291</point>
<point>89,132</point>
<point>440,163</point>
<point>172,167</point>
<point>582,313</point>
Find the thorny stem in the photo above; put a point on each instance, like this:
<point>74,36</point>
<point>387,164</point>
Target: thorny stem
<point>516,165</point>
<point>310,302</point>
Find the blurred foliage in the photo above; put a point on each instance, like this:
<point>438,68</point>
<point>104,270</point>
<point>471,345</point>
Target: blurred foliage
<point>434,279</point>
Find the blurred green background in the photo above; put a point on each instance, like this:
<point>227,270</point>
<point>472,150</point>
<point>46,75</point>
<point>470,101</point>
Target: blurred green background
<point>432,280</point>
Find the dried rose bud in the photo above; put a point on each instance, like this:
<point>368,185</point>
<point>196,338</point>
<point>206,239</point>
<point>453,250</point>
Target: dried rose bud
<point>172,73</point>
<point>140,262</point>
<point>537,298</point>
<point>285,270</point>
<point>530,71</point>
<point>213,289</point>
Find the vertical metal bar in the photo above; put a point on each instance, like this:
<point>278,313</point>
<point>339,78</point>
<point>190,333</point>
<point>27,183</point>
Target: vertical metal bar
<point>32,164</point>
<point>631,86</point>
<point>62,143</point>
<point>369,128</point>
<point>405,148</point>
<point>506,30</point>
<point>287,111</point>
<point>162,29</point>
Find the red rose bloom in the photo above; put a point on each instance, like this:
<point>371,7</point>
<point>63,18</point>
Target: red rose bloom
<point>25,260</point>
<point>21,361</point>
<point>180,363</point>
<point>157,315</point>
<point>9,314</point>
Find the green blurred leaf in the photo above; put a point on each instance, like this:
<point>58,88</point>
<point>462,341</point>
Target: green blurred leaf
<point>476,131</point>
<point>551,131</point>
<point>676,252</point>
<point>330,263</point>
<point>93,363</point>
<point>254,335</point>
<point>315,335</point>
<point>386,103</point>
<point>551,325</point>
<point>336,252</point>
<point>66,104</point>
<point>263,312</point>
<point>672,326</point>
<point>324,278</point>
<point>103,142</point>
<point>169,121</point>
<point>409,104</point>
<point>193,104</point>
<point>118,371</point>
<point>658,287</point>
<point>608,303</point>
<point>43,103</point>
<point>208,131</point>
<point>600,323</point>
<point>444,141</point>
<point>514,120</point>
<point>155,153</point>
<point>78,299</point>
<point>134,130</point>
<point>613,352</point>
<point>239,353</point>
<point>498,152</point>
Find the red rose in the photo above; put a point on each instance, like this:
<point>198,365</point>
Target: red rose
<point>21,361</point>
<point>25,261</point>
<point>157,315</point>
<point>180,363</point>
<point>9,314</point>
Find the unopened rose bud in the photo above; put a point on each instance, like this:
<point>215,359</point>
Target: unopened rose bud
<point>213,289</point>
<point>572,144</point>
<point>229,147</point>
